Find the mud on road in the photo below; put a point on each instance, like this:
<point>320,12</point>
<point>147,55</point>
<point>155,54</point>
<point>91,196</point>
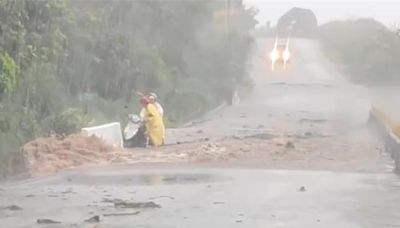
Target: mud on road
<point>307,117</point>
<point>249,149</point>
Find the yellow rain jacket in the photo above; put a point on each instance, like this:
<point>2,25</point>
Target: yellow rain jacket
<point>154,125</point>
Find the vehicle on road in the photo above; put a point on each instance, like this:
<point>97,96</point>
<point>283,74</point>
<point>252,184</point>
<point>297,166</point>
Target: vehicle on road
<point>280,54</point>
<point>134,132</point>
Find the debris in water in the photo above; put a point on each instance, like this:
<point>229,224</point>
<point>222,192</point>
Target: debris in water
<point>314,135</point>
<point>121,214</point>
<point>235,137</point>
<point>47,221</point>
<point>218,203</point>
<point>302,189</point>
<point>13,208</point>
<point>68,191</point>
<point>199,132</point>
<point>308,134</point>
<point>265,136</point>
<point>158,197</point>
<point>108,200</point>
<point>290,145</point>
<point>306,120</point>
<point>260,126</point>
<point>29,196</point>
<point>93,219</point>
<point>239,221</point>
<point>124,204</point>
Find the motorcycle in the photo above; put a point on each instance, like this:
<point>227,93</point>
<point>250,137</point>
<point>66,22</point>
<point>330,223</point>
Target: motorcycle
<point>134,133</point>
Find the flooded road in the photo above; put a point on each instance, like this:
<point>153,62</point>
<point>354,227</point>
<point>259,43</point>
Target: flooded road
<point>296,152</point>
<point>311,105</point>
<point>310,89</point>
<point>207,198</point>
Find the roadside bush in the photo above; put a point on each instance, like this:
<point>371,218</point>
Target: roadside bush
<point>7,75</point>
<point>70,121</point>
<point>369,51</point>
<point>11,157</point>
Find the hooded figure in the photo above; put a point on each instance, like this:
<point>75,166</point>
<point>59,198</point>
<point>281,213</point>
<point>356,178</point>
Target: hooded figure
<point>153,121</point>
<point>154,100</point>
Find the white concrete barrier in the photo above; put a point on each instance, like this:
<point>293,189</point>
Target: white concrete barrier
<point>111,133</point>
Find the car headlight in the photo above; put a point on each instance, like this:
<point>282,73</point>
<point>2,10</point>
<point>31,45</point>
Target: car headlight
<point>274,55</point>
<point>286,55</point>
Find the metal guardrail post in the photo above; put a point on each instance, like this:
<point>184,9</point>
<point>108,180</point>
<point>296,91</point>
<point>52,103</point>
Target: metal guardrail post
<point>391,141</point>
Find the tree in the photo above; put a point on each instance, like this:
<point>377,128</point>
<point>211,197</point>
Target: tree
<point>368,49</point>
<point>54,54</point>
<point>7,75</point>
<point>299,22</point>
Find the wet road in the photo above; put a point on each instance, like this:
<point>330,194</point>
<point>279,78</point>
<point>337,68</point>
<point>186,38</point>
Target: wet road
<point>311,90</point>
<point>311,98</point>
<point>208,198</point>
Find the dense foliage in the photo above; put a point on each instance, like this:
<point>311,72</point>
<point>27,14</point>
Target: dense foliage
<point>369,51</point>
<point>66,63</point>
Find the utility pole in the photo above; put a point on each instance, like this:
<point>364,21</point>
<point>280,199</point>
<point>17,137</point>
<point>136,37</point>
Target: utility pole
<point>228,52</point>
<point>227,13</point>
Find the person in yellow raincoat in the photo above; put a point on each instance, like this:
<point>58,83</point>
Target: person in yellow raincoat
<point>154,123</point>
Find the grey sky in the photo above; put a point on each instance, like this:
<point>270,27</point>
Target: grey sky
<point>386,11</point>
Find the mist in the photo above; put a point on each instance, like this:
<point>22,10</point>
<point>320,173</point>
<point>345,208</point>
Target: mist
<point>189,113</point>
<point>385,11</point>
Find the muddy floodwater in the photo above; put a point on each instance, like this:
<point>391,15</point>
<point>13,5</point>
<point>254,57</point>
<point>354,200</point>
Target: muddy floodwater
<point>206,197</point>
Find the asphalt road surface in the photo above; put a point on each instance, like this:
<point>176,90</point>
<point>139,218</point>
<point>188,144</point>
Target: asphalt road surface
<point>206,198</point>
<point>297,152</point>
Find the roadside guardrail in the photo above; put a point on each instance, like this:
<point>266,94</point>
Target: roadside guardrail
<point>390,132</point>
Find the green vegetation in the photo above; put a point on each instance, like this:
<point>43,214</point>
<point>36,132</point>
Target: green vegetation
<point>7,75</point>
<point>368,50</point>
<point>66,63</point>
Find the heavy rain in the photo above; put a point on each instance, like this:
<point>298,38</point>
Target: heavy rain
<point>199,113</point>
